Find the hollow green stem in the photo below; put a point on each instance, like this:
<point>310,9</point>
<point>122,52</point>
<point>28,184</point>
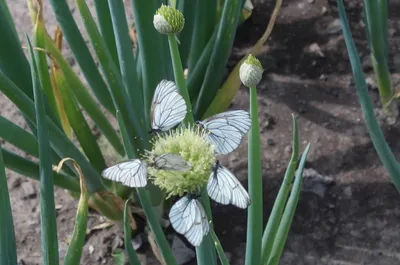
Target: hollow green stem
<point>151,216</point>
<point>376,17</point>
<point>281,199</point>
<point>179,77</point>
<point>254,217</point>
<point>224,260</point>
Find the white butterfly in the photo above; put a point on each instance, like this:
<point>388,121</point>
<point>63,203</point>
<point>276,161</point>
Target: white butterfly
<point>172,162</point>
<point>133,173</point>
<point>223,187</point>
<point>226,130</point>
<point>168,107</point>
<point>188,217</point>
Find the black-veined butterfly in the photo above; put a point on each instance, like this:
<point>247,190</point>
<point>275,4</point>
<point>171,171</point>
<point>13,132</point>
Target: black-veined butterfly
<point>226,130</point>
<point>168,107</point>
<point>223,187</point>
<point>133,173</point>
<point>187,217</point>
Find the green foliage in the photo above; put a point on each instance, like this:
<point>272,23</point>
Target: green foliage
<point>375,132</point>
<point>55,102</point>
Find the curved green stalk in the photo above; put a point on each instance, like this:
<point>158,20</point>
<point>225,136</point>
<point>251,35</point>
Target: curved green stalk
<point>222,257</point>
<point>280,201</point>
<point>31,170</point>
<point>287,217</point>
<point>133,258</point>
<point>255,213</point>
<point>75,248</point>
<point>179,77</point>
<point>377,137</point>
<point>82,54</point>
<point>8,247</point>
<point>47,206</point>
<point>219,56</point>
<point>151,216</point>
<point>106,27</point>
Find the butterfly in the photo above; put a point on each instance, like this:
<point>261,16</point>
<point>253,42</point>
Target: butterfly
<point>133,173</point>
<point>168,107</point>
<point>223,187</point>
<point>226,130</point>
<point>172,162</point>
<point>187,217</point>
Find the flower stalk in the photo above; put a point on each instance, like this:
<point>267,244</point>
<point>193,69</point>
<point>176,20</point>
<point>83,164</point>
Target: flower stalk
<point>250,74</point>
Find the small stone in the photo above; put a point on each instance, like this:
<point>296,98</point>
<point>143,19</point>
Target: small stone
<point>288,149</point>
<point>347,192</point>
<point>324,10</point>
<point>91,249</point>
<point>311,1</point>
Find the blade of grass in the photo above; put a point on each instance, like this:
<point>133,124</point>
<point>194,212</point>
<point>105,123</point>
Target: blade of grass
<point>82,54</point>
<point>75,247</point>
<point>113,78</point>
<point>106,27</point>
<point>377,137</point>
<point>228,91</point>
<point>288,214</point>
<point>151,216</point>
<point>54,71</point>
<point>205,16</point>
<point>377,31</point>
<point>18,137</point>
<point>185,36</point>
<point>61,144</point>
<point>150,50</point>
<point>79,124</point>
<point>8,247</point>
<point>13,62</point>
<point>84,98</point>
<point>255,213</point>
<point>47,205</point>
<point>196,75</point>
<point>133,258</point>
<point>205,253</point>
<point>126,57</point>
<point>31,169</point>
<point>280,201</point>
<point>6,11</point>
<point>36,8</point>
<point>219,56</point>
<point>179,77</point>
<point>222,257</point>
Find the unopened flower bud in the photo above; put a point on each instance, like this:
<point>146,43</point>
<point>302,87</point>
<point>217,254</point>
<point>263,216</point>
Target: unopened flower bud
<point>168,20</point>
<point>251,71</point>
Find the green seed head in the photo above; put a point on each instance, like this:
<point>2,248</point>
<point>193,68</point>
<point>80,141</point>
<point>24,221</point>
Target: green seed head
<point>251,71</point>
<point>168,20</point>
<point>192,145</point>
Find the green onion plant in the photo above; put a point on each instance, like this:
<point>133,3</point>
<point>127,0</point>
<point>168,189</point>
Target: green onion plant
<point>376,17</point>
<point>52,98</point>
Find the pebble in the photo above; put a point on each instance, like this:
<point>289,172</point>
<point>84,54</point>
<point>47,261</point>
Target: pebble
<point>270,142</point>
<point>91,249</point>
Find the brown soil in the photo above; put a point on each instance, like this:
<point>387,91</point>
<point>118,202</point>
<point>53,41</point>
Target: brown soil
<point>348,212</point>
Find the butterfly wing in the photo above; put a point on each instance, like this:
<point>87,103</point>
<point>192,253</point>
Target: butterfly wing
<point>172,162</point>
<point>168,107</point>
<point>188,217</point>
<point>132,173</point>
<point>223,187</point>
<point>226,130</point>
